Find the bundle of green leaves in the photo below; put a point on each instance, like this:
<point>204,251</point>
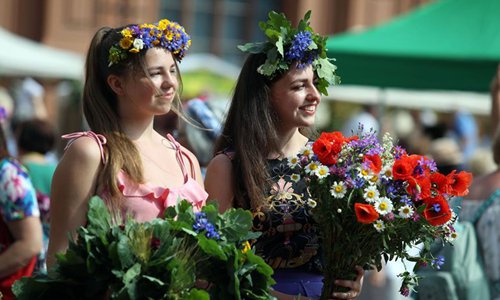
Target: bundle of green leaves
<point>162,259</point>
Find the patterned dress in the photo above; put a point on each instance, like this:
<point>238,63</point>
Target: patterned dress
<point>17,201</point>
<point>290,241</point>
<point>289,237</point>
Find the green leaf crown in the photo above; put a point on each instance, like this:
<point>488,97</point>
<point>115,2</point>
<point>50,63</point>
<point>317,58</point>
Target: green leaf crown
<point>286,45</point>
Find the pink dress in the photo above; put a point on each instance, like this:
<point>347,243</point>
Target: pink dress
<point>146,201</point>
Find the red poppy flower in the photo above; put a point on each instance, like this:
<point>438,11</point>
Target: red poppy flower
<point>458,183</point>
<point>323,149</point>
<point>437,211</point>
<point>420,187</point>
<point>374,162</point>
<point>365,213</point>
<point>328,146</point>
<point>439,182</point>
<point>403,168</point>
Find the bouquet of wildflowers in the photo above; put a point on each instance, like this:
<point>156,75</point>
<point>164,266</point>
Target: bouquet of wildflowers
<point>374,202</point>
<point>161,259</point>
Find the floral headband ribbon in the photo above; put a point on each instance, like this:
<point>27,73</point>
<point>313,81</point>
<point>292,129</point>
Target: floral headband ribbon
<point>286,45</point>
<point>165,34</point>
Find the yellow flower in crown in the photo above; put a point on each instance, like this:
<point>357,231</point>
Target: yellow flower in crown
<point>136,38</point>
<point>162,24</point>
<point>126,42</point>
<point>126,33</point>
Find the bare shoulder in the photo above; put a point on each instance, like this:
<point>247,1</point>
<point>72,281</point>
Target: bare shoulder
<point>83,156</point>
<point>220,164</point>
<point>84,148</point>
<point>219,181</point>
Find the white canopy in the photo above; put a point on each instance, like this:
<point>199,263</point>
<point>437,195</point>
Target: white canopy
<point>23,57</point>
<point>438,100</point>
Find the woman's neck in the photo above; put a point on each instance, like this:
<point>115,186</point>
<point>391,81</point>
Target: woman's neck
<point>290,142</point>
<point>139,130</point>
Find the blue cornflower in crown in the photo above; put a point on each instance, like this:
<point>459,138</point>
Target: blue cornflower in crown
<point>286,45</point>
<point>165,34</point>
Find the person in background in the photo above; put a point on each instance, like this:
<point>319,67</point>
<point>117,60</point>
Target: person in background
<point>20,226</point>
<point>199,135</point>
<point>35,139</point>
<point>367,118</point>
<point>274,102</point>
<point>482,205</point>
<point>131,76</point>
<point>447,154</point>
<point>466,132</point>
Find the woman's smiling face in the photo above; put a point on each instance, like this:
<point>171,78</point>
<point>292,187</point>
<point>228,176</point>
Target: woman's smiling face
<point>296,98</point>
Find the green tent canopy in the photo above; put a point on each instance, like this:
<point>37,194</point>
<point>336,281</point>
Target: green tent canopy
<point>445,45</point>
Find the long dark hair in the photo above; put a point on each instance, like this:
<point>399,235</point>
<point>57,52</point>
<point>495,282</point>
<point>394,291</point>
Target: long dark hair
<point>100,107</point>
<point>250,128</point>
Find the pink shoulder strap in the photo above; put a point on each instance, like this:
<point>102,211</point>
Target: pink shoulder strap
<point>179,154</point>
<point>99,138</point>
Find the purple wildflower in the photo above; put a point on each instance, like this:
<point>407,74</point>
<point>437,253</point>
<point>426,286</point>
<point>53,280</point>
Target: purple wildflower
<point>399,151</point>
<point>202,224</point>
<point>438,262</point>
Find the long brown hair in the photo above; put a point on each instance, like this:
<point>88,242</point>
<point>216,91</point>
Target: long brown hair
<point>250,128</point>
<point>100,107</point>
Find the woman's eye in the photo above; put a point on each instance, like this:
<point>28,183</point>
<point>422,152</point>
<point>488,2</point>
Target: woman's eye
<point>154,74</point>
<point>173,71</point>
<point>298,87</point>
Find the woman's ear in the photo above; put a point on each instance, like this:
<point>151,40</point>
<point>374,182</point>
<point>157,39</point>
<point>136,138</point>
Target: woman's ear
<point>116,84</point>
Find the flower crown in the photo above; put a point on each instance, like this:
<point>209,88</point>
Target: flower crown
<point>165,34</point>
<point>286,45</point>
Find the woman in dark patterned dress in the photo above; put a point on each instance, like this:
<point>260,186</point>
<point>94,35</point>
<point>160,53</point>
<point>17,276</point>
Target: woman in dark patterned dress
<point>264,126</point>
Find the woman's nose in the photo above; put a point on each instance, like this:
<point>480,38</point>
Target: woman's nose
<point>314,94</point>
<point>169,80</point>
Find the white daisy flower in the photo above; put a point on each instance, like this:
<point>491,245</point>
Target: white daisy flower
<point>338,189</point>
<point>311,203</point>
<point>295,177</point>
<point>386,172</point>
<point>374,179</point>
<point>322,171</point>
<point>312,167</point>
<point>383,205</point>
<point>293,161</point>
<point>379,225</point>
<point>307,151</point>
<point>405,211</point>
<point>371,194</point>
<point>138,44</point>
<point>451,237</point>
<point>366,174</point>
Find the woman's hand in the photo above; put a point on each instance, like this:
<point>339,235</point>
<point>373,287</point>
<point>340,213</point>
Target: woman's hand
<point>353,286</point>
